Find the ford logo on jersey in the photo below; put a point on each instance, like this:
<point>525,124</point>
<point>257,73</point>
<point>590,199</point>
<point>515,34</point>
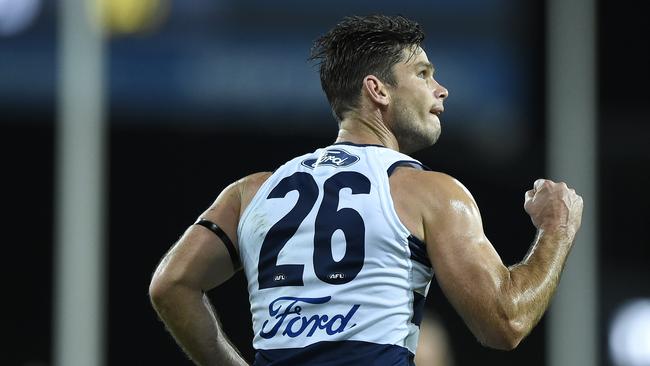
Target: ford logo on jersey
<point>287,314</point>
<point>332,157</point>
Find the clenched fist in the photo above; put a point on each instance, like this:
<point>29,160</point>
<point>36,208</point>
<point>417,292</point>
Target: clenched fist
<point>554,207</point>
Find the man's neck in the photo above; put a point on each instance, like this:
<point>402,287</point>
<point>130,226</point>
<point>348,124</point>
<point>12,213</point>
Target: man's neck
<point>366,131</point>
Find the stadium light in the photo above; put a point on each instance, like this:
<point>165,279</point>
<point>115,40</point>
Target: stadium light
<point>17,15</point>
<point>131,17</point>
<point>629,336</point>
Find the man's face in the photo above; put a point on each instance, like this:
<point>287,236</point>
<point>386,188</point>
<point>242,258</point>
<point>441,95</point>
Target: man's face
<point>415,102</point>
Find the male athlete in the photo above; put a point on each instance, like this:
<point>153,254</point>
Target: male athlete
<point>339,246</point>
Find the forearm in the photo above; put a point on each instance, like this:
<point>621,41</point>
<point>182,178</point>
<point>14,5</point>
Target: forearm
<point>190,319</point>
<point>534,280</point>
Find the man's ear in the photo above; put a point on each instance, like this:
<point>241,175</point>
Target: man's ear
<point>376,90</point>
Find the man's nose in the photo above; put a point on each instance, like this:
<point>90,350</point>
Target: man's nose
<point>440,91</point>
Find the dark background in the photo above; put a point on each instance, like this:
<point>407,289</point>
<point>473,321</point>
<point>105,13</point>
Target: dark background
<point>220,90</point>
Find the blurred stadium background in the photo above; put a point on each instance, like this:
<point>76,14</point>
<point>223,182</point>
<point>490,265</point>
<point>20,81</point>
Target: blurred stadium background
<point>191,95</point>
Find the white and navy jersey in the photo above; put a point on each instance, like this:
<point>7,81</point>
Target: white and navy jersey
<point>334,277</point>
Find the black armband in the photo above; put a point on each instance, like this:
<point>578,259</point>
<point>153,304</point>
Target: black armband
<point>236,263</point>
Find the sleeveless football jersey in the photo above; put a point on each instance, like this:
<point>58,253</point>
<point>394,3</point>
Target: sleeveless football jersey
<point>334,277</point>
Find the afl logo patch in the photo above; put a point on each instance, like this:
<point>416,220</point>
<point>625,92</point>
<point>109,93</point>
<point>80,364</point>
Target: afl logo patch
<point>332,157</point>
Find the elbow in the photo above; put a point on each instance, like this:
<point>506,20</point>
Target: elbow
<point>510,323</point>
<point>504,337</point>
<point>506,331</point>
<point>157,291</point>
<point>512,332</point>
<point>169,289</point>
<point>161,291</point>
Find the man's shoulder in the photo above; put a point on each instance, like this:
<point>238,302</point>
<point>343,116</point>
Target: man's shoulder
<point>249,185</point>
<point>429,187</point>
<point>426,180</point>
<point>254,179</point>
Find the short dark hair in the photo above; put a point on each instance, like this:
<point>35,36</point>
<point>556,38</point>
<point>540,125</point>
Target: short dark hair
<point>360,46</point>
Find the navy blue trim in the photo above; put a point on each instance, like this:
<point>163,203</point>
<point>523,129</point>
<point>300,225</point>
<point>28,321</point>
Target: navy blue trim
<point>418,251</point>
<point>360,145</point>
<point>338,353</point>
<point>418,307</point>
<point>411,163</point>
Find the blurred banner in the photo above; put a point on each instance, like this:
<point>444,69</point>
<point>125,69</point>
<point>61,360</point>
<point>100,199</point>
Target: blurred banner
<point>248,59</point>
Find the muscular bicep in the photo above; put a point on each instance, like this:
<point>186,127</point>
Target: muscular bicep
<point>467,267</point>
<point>200,259</point>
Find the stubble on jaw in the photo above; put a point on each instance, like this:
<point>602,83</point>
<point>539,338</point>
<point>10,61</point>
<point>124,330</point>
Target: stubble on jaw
<point>411,134</point>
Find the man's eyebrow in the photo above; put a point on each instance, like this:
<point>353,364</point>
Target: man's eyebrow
<point>428,65</point>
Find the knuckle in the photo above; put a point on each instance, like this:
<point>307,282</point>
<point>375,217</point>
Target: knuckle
<point>540,184</point>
